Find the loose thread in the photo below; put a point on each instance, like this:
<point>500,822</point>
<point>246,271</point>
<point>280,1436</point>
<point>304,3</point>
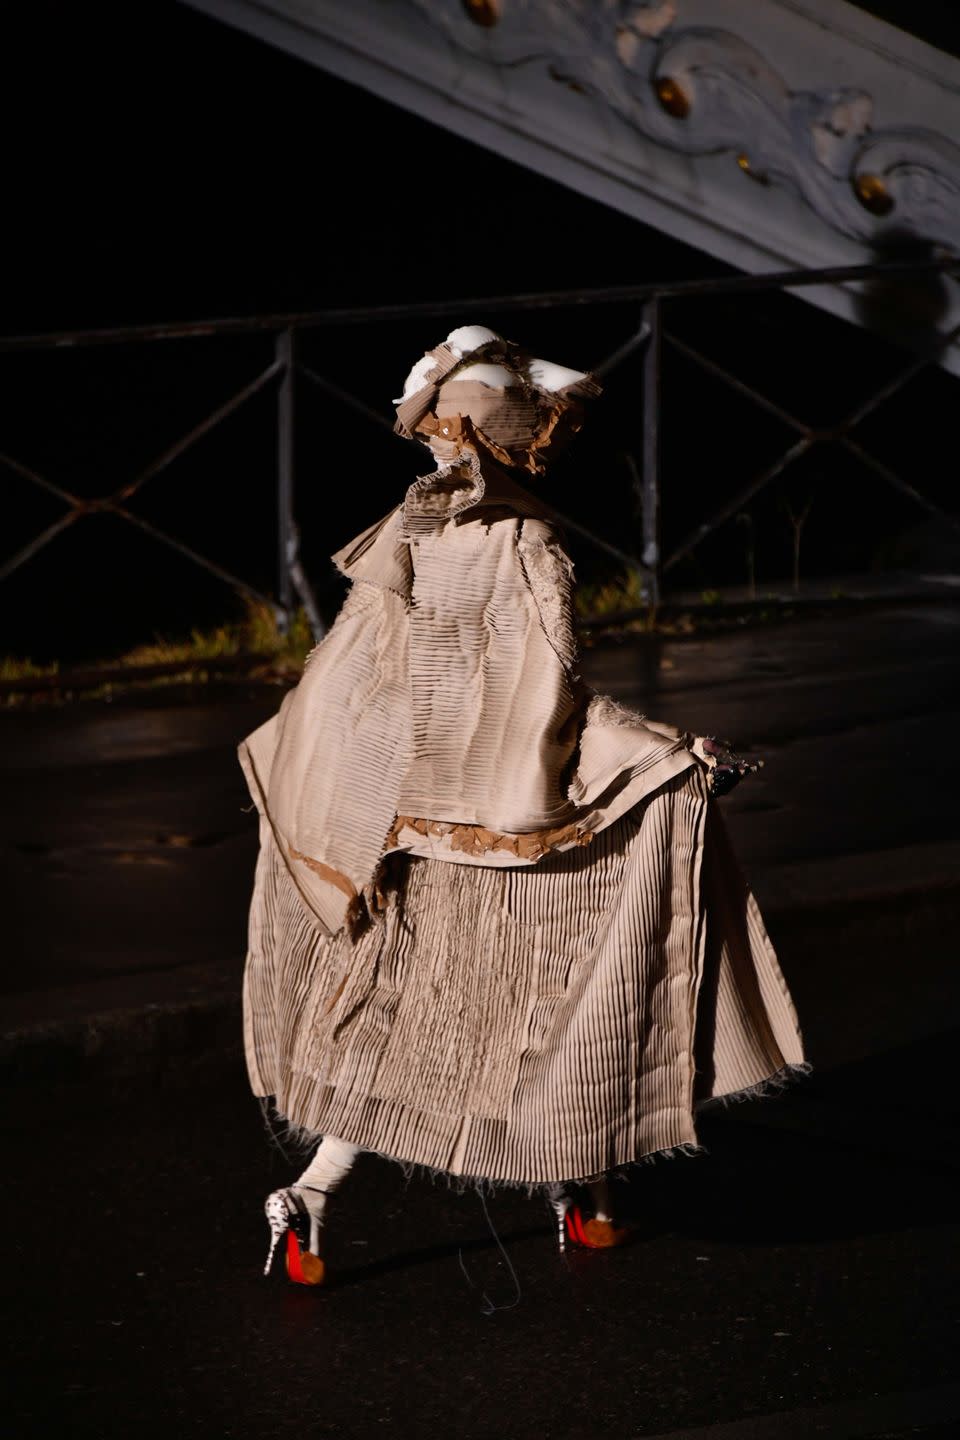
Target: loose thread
<point>488,1306</point>
<point>266,1116</point>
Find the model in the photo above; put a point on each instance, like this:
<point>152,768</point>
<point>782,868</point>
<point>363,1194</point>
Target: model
<point>496,930</point>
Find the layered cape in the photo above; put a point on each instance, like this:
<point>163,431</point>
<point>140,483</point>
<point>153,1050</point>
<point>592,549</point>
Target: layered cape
<point>443,716</point>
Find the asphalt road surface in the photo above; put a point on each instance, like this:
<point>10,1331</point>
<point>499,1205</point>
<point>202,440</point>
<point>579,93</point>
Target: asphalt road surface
<point>797,1280</point>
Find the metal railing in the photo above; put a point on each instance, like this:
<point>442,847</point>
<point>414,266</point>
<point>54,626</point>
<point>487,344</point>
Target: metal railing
<point>648,335</point>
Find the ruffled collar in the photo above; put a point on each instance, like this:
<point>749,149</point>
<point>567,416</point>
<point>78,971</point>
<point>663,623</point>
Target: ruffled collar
<point>448,494</point>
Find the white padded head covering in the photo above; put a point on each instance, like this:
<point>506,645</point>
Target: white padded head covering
<point>511,402</point>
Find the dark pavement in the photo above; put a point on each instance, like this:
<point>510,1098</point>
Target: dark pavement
<point>796,1266</point>
<point>799,1279</point>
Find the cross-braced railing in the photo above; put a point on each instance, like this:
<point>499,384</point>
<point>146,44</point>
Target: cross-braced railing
<point>840,433</point>
<point>646,304</point>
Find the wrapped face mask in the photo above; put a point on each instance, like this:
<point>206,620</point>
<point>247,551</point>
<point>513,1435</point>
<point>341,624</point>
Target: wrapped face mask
<point>479,391</point>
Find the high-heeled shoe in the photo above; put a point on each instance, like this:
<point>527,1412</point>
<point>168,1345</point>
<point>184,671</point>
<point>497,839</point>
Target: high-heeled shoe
<point>594,1234</point>
<point>591,1233</point>
<point>287,1214</point>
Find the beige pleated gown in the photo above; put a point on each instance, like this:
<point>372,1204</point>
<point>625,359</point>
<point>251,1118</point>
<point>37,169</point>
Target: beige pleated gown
<point>496,927</point>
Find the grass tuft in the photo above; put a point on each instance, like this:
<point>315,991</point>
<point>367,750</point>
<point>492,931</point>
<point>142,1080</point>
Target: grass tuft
<point>253,645</point>
<point>613,597</point>
<point>257,636</point>
<point>12,669</point>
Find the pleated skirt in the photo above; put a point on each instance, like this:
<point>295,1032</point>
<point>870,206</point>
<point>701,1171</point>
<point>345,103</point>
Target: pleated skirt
<point>525,1025</point>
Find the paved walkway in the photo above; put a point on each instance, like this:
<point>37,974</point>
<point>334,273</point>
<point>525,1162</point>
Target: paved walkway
<point>129,843</point>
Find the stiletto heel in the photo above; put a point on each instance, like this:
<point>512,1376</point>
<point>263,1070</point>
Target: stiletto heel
<point>560,1199</point>
<point>288,1215</point>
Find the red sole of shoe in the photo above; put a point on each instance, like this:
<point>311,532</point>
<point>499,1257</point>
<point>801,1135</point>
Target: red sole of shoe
<point>575,1227</point>
<point>303,1267</point>
<point>294,1268</point>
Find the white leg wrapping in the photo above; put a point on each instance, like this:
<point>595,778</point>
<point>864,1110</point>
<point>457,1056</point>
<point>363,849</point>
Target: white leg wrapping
<point>600,1198</point>
<point>328,1167</point>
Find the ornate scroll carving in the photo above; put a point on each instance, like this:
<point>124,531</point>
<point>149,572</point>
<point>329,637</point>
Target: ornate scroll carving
<point>707,91</point>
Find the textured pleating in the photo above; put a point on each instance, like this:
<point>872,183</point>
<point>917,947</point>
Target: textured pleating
<point>524,1025</point>
<point>487,689</point>
<point>447,691</point>
<point>745,1013</point>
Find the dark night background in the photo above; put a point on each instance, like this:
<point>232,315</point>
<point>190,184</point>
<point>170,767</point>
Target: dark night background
<point>165,167</point>
<point>797,1278</point>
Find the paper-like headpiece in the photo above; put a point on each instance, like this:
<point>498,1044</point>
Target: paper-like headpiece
<point>478,388</point>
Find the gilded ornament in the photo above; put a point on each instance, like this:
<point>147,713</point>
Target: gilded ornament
<point>872,192</point>
<point>743,160</point>
<point>672,98</point>
<point>483,12</point>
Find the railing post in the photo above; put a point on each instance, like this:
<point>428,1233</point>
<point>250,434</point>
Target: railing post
<point>286,531</point>
<point>650,482</point>
<point>291,577</point>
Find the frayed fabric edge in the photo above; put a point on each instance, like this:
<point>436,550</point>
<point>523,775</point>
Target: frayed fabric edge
<point>302,1140</point>
<point>766,1089</point>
